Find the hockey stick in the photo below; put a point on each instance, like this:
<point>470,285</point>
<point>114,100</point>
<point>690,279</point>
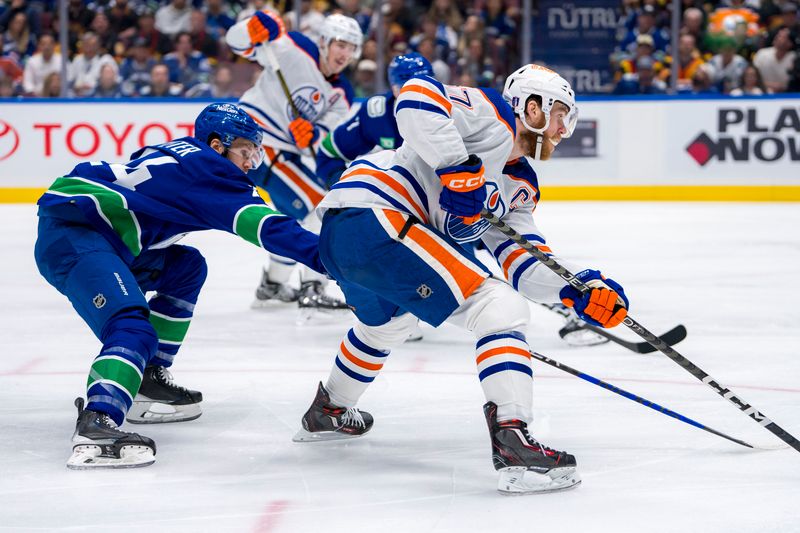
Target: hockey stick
<point>276,68</point>
<point>639,399</point>
<point>640,330</point>
<point>671,337</point>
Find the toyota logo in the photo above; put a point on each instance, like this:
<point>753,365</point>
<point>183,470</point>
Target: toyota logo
<point>9,140</point>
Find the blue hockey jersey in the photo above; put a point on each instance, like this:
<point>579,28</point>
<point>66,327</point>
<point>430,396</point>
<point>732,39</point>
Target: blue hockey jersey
<point>373,125</point>
<point>169,190</point>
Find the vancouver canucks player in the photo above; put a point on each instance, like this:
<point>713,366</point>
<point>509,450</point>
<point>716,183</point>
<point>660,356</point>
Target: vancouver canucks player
<point>107,234</point>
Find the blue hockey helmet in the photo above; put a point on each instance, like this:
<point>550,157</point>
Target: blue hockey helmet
<point>228,121</point>
<point>404,67</point>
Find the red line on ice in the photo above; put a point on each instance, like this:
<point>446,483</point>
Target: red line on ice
<point>271,516</point>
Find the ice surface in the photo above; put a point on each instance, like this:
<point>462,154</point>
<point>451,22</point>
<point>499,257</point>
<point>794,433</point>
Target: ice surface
<point>729,272</point>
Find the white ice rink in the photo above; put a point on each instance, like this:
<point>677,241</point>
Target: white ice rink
<point>729,272</point>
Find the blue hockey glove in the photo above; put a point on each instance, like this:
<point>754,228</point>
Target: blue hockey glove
<point>604,306</point>
<point>464,189</point>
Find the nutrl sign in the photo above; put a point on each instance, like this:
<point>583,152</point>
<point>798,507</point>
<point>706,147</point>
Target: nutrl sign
<point>750,134</point>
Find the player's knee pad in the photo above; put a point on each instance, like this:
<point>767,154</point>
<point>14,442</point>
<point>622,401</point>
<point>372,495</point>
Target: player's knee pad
<point>388,335</point>
<point>131,329</point>
<point>494,307</point>
<point>186,272</point>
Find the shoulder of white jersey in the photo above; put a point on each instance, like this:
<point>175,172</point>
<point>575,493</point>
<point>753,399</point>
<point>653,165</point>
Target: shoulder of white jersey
<point>424,93</point>
<point>304,44</point>
<point>504,111</point>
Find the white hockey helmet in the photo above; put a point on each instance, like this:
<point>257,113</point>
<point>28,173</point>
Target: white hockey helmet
<point>341,28</point>
<point>549,86</point>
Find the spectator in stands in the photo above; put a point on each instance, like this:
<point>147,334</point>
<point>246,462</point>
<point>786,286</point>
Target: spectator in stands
<point>218,18</point>
<point>727,66</point>
<point>42,63</point>
<point>79,18</point>
<point>84,71</point>
<point>158,43</point>
<point>643,81</point>
<point>18,41</point>
<point>202,40</point>
<point>750,83</point>
<point>173,18</point>
<point>160,85</point>
<point>354,10</point>
<point>136,68</point>
<point>7,87</point>
<point>399,13</point>
<point>253,6</point>
<point>499,23</point>
<point>477,64</point>
<point>688,61</point>
<point>122,19</point>
<point>365,78</point>
<point>694,23</point>
<point>645,25</point>
<point>187,66</point>
<point>108,85</point>
<point>703,80</point>
<point>221,86</point>
<point>51,88</point>
<point>644,48</point>
<point>310,20</point>
<point>441,70</point>
<point>774,62</point>
<point>107,37</point>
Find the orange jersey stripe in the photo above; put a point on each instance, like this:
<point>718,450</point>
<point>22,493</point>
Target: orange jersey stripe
<point>502,350</point>
<point>386,179</point>
<point>438,98</point>
<point>499,117</point>
<point>467,279</point>
<point>358,362</point>
<point>516,253</point>
<point>312,194</point>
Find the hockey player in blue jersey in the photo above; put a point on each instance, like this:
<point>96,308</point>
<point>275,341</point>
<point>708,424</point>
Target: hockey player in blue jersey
<point>107,236</point>
<point>391,236</point>
<point>374,125</point>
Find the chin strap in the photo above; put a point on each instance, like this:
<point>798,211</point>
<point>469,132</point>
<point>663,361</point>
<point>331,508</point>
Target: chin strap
<point>539,142</point>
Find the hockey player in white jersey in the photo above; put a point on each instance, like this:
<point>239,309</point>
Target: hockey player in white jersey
<point>390,233</point>
<point>322,96</point>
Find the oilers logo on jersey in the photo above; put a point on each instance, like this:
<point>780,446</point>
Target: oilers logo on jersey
<point>456,229</point>
<point>309,102</point>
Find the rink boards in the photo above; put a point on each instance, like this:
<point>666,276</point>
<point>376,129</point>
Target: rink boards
<point>625,148</point>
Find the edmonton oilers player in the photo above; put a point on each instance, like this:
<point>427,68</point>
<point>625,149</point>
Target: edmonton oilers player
<point>374,125</point>
<point>322,96</point>
<point>106,237</point>
<point>391,234</point>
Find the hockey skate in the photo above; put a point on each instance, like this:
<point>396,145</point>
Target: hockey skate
<point>324,421</point>
<point>269,293</point>
<point>313,299</point>
<point>415,334</point>
<point>97,443</point>
<point>159,400</point>
<point>575,333</point>
<point>525,465</point>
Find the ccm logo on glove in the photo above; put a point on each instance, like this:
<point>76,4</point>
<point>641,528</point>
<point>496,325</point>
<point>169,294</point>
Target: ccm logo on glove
<point>464,189</point>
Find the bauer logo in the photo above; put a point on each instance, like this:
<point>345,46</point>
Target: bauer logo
<point>9,140</point>
<point>750,134</point>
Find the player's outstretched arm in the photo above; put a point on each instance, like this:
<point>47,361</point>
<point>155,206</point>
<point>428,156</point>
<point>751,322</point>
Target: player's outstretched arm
<point>246,36</point>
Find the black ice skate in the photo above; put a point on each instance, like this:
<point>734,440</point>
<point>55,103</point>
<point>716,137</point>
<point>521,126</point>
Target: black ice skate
<point>525,465</point>
<point>159,400</point>
<point>312,296</point>
<point>269,292</point>
<point>97,443</point>
<point>324,421</point>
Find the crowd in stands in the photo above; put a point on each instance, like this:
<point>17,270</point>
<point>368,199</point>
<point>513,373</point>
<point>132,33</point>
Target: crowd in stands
<point>171,48</point>
<point>734,47</point>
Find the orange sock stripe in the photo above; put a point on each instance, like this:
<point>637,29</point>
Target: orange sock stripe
<point>502,350</point>
<point>438,98</point>
<point>358,362</point>
<point>386,179</point>
<point>467,279</point>
<point>312,194</point>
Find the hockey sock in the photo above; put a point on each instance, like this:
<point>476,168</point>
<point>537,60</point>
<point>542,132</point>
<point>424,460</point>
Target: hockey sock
<point>129,342</point>
<point>280,269</point>
<point>504,368</point>
<point>357,365</point>
<point>170,318</point>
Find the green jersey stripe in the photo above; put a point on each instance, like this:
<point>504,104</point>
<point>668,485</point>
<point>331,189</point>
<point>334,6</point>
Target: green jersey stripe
<point>169,329</point>
<point>329,147</point>
<point>117,372</point>
<point>110,204</point>
<point>248,222</point>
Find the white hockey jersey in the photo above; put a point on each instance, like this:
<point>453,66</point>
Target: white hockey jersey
<point>324,102</point>
<point>442,125</point>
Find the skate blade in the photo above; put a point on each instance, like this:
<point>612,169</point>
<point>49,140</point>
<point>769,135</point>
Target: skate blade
<point>518,480</point>
<point>306,436</point>
<point>89,457</point>
<point>148,412</point>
